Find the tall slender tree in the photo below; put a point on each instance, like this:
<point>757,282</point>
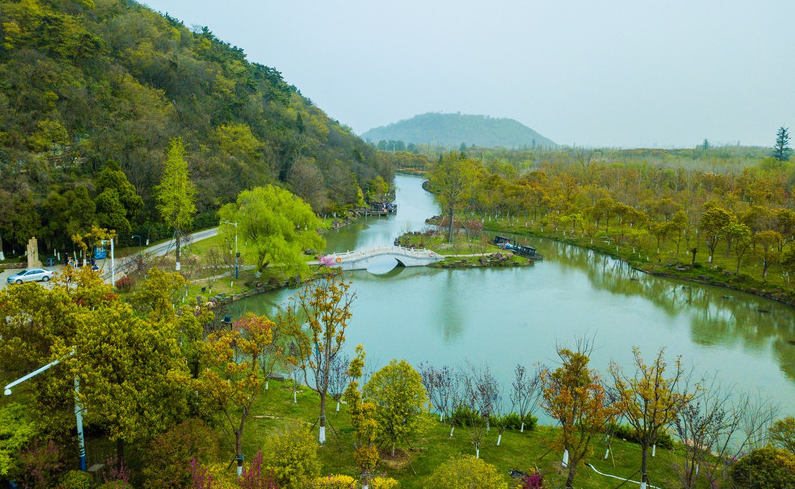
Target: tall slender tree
<point>324,305</point>
<point>782,150</point>
<point>176,194</point>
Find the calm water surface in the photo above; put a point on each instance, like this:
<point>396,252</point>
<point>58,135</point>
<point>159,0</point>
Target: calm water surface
<point>502,317</point>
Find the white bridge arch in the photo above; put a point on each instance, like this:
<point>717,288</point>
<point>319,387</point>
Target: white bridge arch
<point>364,257</point>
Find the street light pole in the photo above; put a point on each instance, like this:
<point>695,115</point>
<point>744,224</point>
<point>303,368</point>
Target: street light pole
<point>78,407</point>
<point>237,255</point>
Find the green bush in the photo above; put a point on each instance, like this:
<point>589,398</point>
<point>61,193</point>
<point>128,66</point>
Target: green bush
<point>463,416</point>
<point>514,422</point>
<point>290,455</point>
<point>466,472</point>
<point>771,468</point>
<point>628,433</point>
<point>335,482</point>
<point>77,479</point>
<point>167,461</point>
<point>116,485</point>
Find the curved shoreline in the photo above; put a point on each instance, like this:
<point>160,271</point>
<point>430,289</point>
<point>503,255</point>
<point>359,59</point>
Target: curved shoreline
<point>778,294</point>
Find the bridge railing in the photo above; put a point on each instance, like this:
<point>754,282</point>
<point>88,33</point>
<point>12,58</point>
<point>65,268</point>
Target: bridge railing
<point>379,250</point>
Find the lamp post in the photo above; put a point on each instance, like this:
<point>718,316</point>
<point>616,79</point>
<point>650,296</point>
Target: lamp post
<point>78,407</point>
<point>237,255</point>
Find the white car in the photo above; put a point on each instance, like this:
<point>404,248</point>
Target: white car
<point>30,275</point>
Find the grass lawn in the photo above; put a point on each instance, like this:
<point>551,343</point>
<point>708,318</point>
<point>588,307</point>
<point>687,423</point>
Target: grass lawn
<point>522,451</point>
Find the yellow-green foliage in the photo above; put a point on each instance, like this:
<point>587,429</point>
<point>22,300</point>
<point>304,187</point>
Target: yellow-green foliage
<point>384,483</point>
<point>467,472</point>
<point>291,454</point>
<point>335,482</point>
<point>399,396</point>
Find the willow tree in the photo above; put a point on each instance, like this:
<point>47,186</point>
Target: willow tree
<point>452,182</point>
<point>317,319</point>
<point>650,400</point>
<point>275,226</point>
<point>176,194</point>
<point>575,397</point>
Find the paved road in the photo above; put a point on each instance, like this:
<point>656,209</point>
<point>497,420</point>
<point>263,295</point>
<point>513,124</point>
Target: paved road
<point>155,250</point>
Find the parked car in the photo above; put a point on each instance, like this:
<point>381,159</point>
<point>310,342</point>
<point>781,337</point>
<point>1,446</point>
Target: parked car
<point>30,275</point>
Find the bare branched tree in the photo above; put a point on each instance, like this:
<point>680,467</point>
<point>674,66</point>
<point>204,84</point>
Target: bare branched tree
<point>526,392</point>
<point>338,377</point>
<point>717,426</point>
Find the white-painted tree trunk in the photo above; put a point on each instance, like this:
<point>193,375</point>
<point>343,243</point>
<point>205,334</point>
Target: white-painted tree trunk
<point>565,458</point>
<point>266,385</point>
<point>452,429</point>
<point>607,452</point>
<point>295,397</point>
<point>521,430</point>
<point>477,452</point>
<point>642,485</point>
<point>441,417</point>
<point>239,471</point>
<point>322,437</point>
<point>338,406</point>
<point>654,450</point>
<point>499,438</point>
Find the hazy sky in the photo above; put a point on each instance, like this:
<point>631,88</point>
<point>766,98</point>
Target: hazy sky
<point>587,72</point>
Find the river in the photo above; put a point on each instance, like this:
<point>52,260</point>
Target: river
<point>501,317</point>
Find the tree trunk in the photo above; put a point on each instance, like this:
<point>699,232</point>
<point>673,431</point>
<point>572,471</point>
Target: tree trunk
<point>322,435</point>
<point>119,454</point>
<point>644,458</point>
<point>451,214</point>
<point>176,241</point>
<point>570,478</point>
<point>239,449</point>
<point>693,261</point>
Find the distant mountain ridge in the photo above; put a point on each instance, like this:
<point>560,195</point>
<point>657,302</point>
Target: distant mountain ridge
<point>454,129</point>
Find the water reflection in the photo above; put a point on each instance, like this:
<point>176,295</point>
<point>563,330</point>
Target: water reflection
<point>507,316</point>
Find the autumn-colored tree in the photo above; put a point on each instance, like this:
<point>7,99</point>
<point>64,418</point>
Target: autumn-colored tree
<point>649,400</point>
<point>452,180</point>
<point>324,305</point>
<point>740,235</point>
<point>574,396</point>
<point>176,194</point>
<point>769,243</point>
<point>399,396</point>
<point>232,379</point>
<point>713,225</point>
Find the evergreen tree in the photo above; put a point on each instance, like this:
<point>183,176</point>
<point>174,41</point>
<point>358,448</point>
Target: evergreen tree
<point>782,150</point>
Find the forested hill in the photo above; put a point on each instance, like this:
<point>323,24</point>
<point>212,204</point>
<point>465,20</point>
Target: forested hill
<point>451,130</point>
<point>87,82</point>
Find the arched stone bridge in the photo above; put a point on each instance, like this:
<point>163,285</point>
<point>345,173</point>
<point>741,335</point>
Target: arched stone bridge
<point>362,258</point>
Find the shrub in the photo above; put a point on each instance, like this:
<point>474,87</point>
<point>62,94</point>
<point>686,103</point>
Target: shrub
<point>463,416</point>
<point>771,468</point>
<point>167,462</point>
<point>116,485</point>
<point>514,422</point>
<point>335,482</point>
<point>629,433</point>
<point>384,483</point>
<point>41,466</point>
<point>466,472</point>
<point>290,455</point>
<point>77,479</point>
<point>125,284</point>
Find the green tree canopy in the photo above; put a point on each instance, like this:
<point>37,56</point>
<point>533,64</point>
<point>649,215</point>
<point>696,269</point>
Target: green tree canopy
<point>176,194</point>
<point>275,227</point>
<point>400,398</point>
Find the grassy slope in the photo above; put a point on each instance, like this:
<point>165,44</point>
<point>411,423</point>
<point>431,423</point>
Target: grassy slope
<point>517,451</point>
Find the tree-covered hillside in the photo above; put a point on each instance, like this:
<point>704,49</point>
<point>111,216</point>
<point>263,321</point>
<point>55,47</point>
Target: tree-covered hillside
<point>88,82</point>
<point>451,130</point>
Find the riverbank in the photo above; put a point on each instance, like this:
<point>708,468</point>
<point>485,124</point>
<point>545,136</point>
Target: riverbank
<point>696,272</point>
